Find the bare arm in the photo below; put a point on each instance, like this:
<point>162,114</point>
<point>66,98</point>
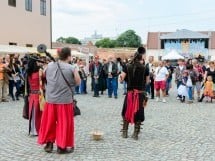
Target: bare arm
<point>205,76</point>
<point>77,77</point>
<point>122,77</point>
<point>147,79</point>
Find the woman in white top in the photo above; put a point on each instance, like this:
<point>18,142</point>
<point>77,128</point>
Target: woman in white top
<point>161,75</point>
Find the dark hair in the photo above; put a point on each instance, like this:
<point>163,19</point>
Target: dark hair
<point>32,66</point>
<point>119,59</point>
<point>138,55</point>
<point>64,53</point>
<point>189,66</point>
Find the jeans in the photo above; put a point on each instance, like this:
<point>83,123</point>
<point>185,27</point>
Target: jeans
<point>168,85</point>
<point>77,90</point>
<point>17,84</point>
<point>96,87</point>
<point>83,86</point>
<point>117,83</point>
<point>190,93</point>
<point>112,86</point>
<point>124,86</point>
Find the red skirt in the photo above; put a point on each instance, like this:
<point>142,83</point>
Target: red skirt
<point>57,124</point>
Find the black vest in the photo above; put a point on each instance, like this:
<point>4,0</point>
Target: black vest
<point>136,78</point>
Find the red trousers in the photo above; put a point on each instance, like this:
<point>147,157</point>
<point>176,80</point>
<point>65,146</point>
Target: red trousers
<point>57,124</point>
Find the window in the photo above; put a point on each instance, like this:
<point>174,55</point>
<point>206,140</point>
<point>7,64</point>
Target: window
<point>12,3</point>
<point>28,5</point>
<point>43,7</point>
<point>12,43</point>
<point>29,45</point>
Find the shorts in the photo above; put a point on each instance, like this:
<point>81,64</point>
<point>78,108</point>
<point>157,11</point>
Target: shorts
<point>160,85</point>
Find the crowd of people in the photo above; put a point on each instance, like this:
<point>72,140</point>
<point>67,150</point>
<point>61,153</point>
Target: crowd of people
<point>192,78</point>
<point>11,76</point>
<point>48,87</point>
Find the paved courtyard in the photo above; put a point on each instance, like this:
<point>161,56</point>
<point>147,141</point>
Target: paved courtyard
<point>171,132</point>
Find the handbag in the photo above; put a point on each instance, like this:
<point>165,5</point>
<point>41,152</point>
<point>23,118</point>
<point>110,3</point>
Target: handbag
<point>77,111</point>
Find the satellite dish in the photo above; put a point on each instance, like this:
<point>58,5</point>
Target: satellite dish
<point>41,48</point>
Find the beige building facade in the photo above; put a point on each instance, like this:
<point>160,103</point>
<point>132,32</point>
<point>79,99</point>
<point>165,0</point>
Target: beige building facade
<point>25,22</point>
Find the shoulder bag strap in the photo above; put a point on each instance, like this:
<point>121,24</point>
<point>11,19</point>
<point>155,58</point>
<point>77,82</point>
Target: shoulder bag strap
<point>65,79</point>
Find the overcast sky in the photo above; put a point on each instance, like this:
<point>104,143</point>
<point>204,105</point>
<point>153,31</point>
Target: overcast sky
<point>80,18</point>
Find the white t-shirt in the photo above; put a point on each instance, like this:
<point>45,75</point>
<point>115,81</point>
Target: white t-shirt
<point>160,73</point>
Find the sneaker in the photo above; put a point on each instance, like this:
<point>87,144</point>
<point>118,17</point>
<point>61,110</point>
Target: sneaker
<point>157,99</point>
<point>164,101</point>
<point>178,98</point>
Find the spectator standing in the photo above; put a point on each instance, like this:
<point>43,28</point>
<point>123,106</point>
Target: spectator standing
<point>111,70</point>
<point>169,79</point>
<point>161,75</point>
<point>150,86</point>
<point>178,73</point>
<point>199,77</point>
<point>3,84</point>
<point>96,72</point>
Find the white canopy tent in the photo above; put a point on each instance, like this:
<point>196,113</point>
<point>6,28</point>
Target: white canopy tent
<point>172,55</point>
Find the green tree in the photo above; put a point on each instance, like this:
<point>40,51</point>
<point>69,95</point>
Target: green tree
<point>61,39</point>
<point>129,39</point>
<point>106,43</point>
<point>69,40</point>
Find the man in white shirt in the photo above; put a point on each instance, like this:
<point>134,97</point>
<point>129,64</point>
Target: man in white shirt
<point>161,75</point>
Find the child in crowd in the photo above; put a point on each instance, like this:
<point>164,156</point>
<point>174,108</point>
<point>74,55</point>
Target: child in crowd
<point>208,90</point>
<point>182,90</point>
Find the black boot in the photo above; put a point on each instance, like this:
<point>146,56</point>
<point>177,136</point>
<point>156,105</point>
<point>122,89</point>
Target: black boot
<point>125,129</point>
<point>64,151</point>
<point>201,99</point>
<point>136,130</point>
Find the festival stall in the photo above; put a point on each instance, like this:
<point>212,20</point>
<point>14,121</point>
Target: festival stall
<point>172,55</point>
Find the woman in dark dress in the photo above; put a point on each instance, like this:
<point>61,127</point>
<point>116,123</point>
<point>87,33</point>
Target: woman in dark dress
<point>136,75</point>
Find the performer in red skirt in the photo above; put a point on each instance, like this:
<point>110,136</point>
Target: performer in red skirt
<point>35,113</point>
<point>136,75</point>
<point>57,124</point>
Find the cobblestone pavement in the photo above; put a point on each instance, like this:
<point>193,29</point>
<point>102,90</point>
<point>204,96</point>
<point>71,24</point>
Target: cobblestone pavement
<point>172,131</point>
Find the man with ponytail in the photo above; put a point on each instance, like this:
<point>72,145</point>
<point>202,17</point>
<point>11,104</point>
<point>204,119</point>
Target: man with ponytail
<point>136,75</point>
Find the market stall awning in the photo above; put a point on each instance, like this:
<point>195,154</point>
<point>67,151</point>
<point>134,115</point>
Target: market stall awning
<point>173,55</point>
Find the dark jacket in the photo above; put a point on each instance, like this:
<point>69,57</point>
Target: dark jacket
<point>114,69</point>
<point>92,69</point>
